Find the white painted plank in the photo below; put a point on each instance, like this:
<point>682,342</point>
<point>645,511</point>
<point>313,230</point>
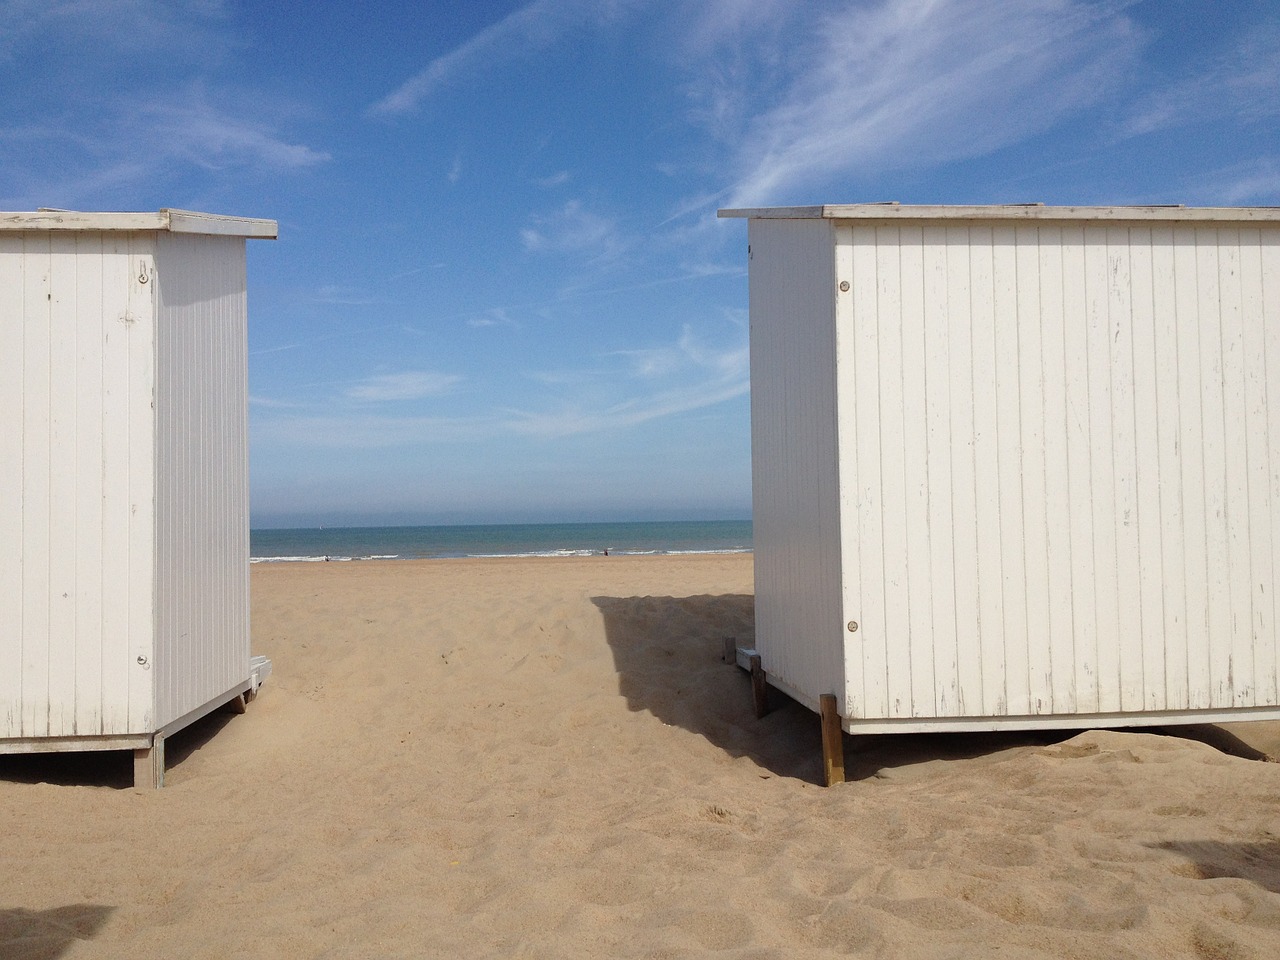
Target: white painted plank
<point>118,319</point>
<point>1214,409</point>
<point>1266,668</point>
<point>140,489</point>
<point>1059,427</point>
<point>1010,526</point>
<point>1237,642</point>
<point>36,500</point>
<point>850,479</point>
<point>969,644</point>
<point>1261,635</point>
<point>1103,459</point>
<point>1127,640</point>
<point>1168,432</point>
<point>898,524</point>
<point>1080,471</point>
<point>12,465</point>
<point>62,477</point>
<point>913,359</point>
<point>867,375</point>
<point>1032,480</point>
<point>986,458</point>
<point>938,333</point>
<point>91,299</point>
<point>1147,416</point>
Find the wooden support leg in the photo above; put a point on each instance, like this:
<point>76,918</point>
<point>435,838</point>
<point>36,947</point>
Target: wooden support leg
<point>759,689</point>
<point>832,740</point>
<point>148,765</point>
<point>730,650</point>
<point>236,703</point>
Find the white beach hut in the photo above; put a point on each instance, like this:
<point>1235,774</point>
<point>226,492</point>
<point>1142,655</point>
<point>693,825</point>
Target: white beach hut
<point>124,578</point>
<point>1017,466</point>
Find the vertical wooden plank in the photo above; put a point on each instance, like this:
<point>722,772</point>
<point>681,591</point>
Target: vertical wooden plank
<point>1146,436</point>
<point>1127,640</point>
<point>1103,488</point>
<point>1080,469</point>
<point>913,360</point>
<point>938,332</point>
<point>893,442</point>
<point>89,492</point>
<point>140,492</point>
<point>969,648</point>
<point>62,478</point>
<point>1060,425</point>
<point>867,377</point>
<point>1266,668</point>
<point>759,686</point>
<point>1237,642</point>
<point>1191,370</point>
<point>853,600</point>
<point>1030,376</point>
<point>36,500</point>
<point>1261,635</point>
<point>986,458</point>
<point>118,655</point>
<point>1010,526</point>
<point>1214,407</point>
<point>1167,431</point>
<point>13,323</point>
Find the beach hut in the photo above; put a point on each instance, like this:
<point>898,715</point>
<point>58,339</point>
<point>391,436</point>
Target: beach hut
<point>124,578</point>
<point>1017,466</point>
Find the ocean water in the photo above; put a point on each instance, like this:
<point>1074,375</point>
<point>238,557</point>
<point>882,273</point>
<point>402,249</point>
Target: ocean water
<point>500,540</point>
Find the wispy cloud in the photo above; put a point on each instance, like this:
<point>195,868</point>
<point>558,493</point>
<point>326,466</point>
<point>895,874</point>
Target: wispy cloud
<point>1242,85</point>
<point>876,86</point>
<point>410,385</point>
<point>529,29</point>
<point>574,229</point>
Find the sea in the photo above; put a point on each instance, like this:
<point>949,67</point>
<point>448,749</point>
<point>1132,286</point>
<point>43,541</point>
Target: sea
<point>351,544</point>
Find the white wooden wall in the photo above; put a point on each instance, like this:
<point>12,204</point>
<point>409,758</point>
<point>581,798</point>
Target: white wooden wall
<point>795,478</point>
<point>1060,467</point>
<point>202,494</point>
<point>77,375</point>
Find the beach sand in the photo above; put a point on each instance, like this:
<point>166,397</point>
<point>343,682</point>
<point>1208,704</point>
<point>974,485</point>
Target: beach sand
<point>547,758</point>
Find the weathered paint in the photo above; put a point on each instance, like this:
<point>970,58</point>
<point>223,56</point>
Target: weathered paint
<point>1056,454</point>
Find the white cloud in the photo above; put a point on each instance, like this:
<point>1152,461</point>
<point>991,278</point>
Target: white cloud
<point>533,27</point>
<point>898,83</point>
<point>410,385</point>
<point>574,229</point>
<point>1242,85</point>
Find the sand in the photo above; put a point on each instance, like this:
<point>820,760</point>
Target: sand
<point>546,758</point>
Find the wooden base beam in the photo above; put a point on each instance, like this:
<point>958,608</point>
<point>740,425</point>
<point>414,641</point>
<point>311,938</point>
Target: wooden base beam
<point>832,740</point>
<point>148,765</point>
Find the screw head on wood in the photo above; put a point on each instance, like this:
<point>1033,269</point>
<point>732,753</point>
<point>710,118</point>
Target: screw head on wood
<point>844,286</point>
<point>853,626</point>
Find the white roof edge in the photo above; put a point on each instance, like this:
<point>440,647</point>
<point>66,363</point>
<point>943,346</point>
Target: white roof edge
<point>1020,211</point>
<point>172,221</point>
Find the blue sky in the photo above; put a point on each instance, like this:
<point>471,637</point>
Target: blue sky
<point>500,291</point>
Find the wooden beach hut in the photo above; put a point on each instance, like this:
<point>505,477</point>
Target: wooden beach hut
<point>1017,466</point>
<point>124,578</point>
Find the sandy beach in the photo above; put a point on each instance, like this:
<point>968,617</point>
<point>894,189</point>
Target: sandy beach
<point>547,758</point>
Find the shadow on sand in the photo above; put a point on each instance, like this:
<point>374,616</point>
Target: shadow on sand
<point>668,652</point>
<point>1212,859</point>
<point>46,934</point>
<point>107,768</point>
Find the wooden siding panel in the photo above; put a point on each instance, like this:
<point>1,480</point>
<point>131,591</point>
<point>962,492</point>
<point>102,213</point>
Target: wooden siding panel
<point>202,496</point>
<point>795,479</point>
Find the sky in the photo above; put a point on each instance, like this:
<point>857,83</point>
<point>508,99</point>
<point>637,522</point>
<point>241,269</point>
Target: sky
<point>500,291</point>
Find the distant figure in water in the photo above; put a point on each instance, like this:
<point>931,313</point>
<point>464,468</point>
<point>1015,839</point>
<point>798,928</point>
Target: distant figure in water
<point>606,551</point>
<point>326,559</point>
